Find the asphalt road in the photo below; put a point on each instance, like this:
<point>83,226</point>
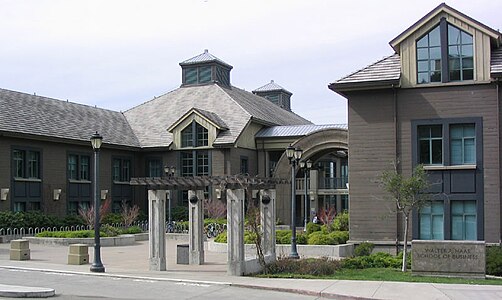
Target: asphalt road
<point>71,286</point>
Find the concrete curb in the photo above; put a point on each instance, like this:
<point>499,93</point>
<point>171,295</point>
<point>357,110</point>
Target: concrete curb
<point>16,291</point>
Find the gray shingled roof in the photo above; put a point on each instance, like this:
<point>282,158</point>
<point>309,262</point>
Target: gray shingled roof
<point>386,69</point>
<point>271,86</point>
<point>35,115</point>
<point>213,117</point>
<point>496,62</point>
<point>204,58</point>
<point>234,106</point>
<point>297,130</point>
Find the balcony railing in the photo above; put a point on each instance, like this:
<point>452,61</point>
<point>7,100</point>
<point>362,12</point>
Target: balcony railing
<point>337,183</point>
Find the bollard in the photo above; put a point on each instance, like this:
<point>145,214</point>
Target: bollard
<point>78,254</point>
<point>19,250</point>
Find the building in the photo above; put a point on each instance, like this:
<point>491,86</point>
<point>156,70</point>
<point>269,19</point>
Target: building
<point>204,127</point>
<point>436,102</point>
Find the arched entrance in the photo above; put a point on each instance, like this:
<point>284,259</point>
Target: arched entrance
<point>327,183</point>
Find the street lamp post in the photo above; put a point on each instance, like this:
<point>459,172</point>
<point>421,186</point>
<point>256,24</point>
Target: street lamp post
<point>97,265</point>
<point>169,171</point>
<point>294,155</point>
<point>306,166</point>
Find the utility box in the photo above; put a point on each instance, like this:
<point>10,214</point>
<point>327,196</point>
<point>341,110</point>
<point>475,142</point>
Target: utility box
<point>20,250</point>
<point>78,254</point>
<point>182,254</point>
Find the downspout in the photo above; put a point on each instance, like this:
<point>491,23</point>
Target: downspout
<point>499,136</point>
<point>396,156</point>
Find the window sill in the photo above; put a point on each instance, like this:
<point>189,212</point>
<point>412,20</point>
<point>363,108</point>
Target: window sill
<point>78,181</point>
<point>121,182</point>
<point>27,179</point>
<point>456,167</point>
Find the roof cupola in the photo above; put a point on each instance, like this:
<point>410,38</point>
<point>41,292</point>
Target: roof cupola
<point>275,94</point>
<point>203,69</point>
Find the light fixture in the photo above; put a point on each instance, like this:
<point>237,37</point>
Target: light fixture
<point>96,141</point>
<point>290,152</point>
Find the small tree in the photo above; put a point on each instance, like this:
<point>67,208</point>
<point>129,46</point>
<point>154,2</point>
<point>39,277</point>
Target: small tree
<point>88,213</point>
<point>129,214</point>
<point>215,208</point>
<point>327,216</point>
<point>254,225</point>
<point>408,193</point>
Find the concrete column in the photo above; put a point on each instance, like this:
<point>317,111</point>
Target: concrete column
<point>196,227</point>
<point>267,219</point>
<point>235,232</point>
<point>314,201</point>
<point>157,229</point>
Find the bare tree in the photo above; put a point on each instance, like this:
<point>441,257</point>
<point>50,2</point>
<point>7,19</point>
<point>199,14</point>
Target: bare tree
<point>88,213</point>
<point>129,214</point>
<point>253,216</point>
<point>409,193</point>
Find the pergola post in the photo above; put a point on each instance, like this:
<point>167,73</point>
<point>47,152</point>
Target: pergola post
<point>235,232</point>
<point>157,229</point>
<point>267,219</point>
<point>196,227</point>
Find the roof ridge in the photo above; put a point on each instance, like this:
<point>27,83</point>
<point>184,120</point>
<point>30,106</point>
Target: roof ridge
<point>233,100</point>
<point>368,66</point>
<point>154,98</point>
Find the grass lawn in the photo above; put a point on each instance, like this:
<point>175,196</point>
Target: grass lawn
<point>383,274</point>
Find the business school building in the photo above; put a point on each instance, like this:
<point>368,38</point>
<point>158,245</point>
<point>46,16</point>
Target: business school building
<point>204,127</point>
<point>436,102</point>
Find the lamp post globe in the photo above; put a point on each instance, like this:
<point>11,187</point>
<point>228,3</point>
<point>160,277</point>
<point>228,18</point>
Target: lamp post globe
<point>97,265</point>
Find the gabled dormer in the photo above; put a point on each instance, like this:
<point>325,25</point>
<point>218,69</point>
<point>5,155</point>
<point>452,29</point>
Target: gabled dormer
<point>445,47</point>
<point>203,69</point>
<point>275,94</point>
<point>197,128</point>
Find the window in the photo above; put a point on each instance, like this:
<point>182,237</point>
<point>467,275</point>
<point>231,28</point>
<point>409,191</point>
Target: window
<point>194,75</point>
<point>273,98</point>
<point>462,144</point>
<point>121,170</point>
<point>244,166</point>
<point>430,140</point>
<point>26,164</point>
<point>78,167</point>
<point>194,137</point>
<point>202,135</point>
<point>432,221</point>
<point>463,220</point>
<point>187,164</point>
<point>187,137</point>
<point>202,163</point>
<point>155,168</point>
<point>445,57</point>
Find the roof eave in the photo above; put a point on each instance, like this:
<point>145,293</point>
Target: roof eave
<point>341,88</point>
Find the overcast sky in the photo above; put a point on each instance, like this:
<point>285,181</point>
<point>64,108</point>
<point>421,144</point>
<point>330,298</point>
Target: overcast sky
<point>119,54</point>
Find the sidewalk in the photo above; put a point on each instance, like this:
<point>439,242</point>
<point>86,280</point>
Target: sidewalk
<point>132,262</point>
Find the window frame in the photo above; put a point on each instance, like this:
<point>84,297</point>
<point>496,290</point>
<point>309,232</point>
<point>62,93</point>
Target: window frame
<point>79,167</point>
<point>122,178</point>
<point>444,59</point>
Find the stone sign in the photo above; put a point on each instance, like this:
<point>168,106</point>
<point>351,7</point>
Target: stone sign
<point>448,258</point>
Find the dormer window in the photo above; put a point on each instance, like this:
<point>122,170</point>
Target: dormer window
<point>194,135</point>
<point>445,54</point>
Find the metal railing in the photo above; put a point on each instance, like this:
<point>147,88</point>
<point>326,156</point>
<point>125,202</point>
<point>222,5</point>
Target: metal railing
<point>333,183</point>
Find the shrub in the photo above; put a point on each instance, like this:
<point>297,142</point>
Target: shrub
<point>131,230</point>
<point>221,238</point>
<point>302,239</point>
<point>376,260</point>
<point>341,222</point>
<point>72,220</point>
<point>340,237</point>
<point>110,230</point>
<point>283,237</point>
<point>113,218</point>
<point>364,249</point>
<point>215,208</point>
<point>326,216</point>
<point>249,237</point>
<point>69,234</point>
<point>494,260</point>
<point>310,266</point>
<point>179,213</point>
<point>320,238</point>
<point>313,227</point>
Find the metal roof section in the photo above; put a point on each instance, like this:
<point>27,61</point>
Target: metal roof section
<point>23,113</point>
<point>386,70</point>
<point>271,86</point>
<point>205,57</point>
<point>443,8</point>
<point>298,130</point>
<point>496,62</point>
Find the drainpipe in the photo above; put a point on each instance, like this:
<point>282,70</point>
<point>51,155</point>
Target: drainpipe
<point>499,136</point>
<point>396,156</point>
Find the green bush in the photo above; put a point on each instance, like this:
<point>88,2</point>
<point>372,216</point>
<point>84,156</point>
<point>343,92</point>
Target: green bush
<point>113,218</point>
<point>249,237</point>
<point>302,239</point>
<point>320,238</point>
<point>110,230</point>
<point>69,234</point>
<point>313,227</point>
<point>131,230</point>
<point>72,220</point>
<point>340,237</point>
<point>494,260</point>
<point>221,238</point>
<point>283,236</point>
<point>341,222</point>
<point>309,266</point>
<point>376,260</point>
<point>364,249</point>
<point>179,213</point>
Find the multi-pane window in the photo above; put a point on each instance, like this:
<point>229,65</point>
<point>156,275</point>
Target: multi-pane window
<point>155,168</point>
<point>121,170</point>
<point>432,221</point>
<point>273,98</point>
<point>430,139</point>
<point>445,57</point>
<point>78,167</point>
<point>26,164</point>
<point>187,164</point>
<point>463,220</point>
<point>429,57</point>
<point>202,135</point>
<point>187,137</point>
<point>462,144</point>
<point>202,163</point>
<point>194,75</point>
<point>460,54</point>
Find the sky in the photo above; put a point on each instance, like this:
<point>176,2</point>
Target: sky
<point>119,54</point>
